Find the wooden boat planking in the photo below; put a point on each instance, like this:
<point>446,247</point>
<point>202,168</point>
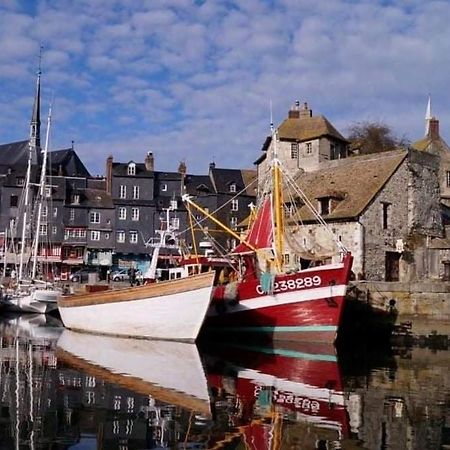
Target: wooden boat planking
<point>137,292</point>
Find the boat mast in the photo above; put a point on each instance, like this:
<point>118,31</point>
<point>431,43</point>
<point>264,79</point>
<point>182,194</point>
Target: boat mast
<point>277,199</point>
<point>41,194</point>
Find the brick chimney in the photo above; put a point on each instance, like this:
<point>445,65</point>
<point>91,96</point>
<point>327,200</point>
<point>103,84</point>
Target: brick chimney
<point>433,129</point>
<point>305,111</point>
<point>109,163</point>
<point>294,112</point>
<point>149,162</point>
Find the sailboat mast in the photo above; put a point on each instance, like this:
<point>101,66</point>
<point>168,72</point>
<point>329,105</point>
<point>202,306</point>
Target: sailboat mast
<point>41,193</point>
<point>277,201</point>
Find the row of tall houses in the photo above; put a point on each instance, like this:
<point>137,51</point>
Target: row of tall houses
<point>389,209</point>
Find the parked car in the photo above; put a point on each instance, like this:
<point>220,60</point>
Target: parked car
<point>120,275</point>
<point>82,275</point>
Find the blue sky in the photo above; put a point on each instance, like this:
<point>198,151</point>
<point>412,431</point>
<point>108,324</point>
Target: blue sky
<point>193,80</point>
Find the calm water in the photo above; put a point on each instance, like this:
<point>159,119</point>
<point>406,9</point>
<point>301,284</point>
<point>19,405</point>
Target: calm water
<point>60,389</point>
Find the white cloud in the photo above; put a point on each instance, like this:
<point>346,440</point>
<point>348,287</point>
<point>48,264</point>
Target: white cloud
<point>192,80</point>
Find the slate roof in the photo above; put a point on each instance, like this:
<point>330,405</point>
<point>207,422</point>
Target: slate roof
<point>67,161</point>
<point>223,178</point>
<point>198,184</point>
<point>121,170</point>
<point>338,181</point>
<point>14,153</point>
<point>97,198</point>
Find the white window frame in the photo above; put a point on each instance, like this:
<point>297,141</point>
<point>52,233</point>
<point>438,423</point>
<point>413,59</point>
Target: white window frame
<point>44,211</point>
<point>131,170</point>
<point>164,187</point>
<point>234,204</point>
<point>448,177</point>
<point>122,191</point>
<point>55,211</point>
<point>54,229</point>
<point>233,187</point>
<point>43,230</point>
<point>120,236</point>
<point>48,191</point>
<point>133,237</point>
<point>233,221</point>
<point>294,150</point>
<point>72,214</point>
<point>122,211</point>
<point>136,192</point>
<point>95,235</point>
<point>135,214</point>
<point>94,217</point>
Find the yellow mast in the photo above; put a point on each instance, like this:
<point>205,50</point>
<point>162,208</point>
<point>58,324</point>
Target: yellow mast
<point>277,203</point>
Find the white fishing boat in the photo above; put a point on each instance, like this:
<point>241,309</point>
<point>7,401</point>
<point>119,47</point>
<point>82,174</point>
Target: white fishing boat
<point>27,293</point>
<point>174,309</point>
<point>171,372</point>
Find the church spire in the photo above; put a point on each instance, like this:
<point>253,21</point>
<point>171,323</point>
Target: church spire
<point>428,116</point>
<point>35,124</point>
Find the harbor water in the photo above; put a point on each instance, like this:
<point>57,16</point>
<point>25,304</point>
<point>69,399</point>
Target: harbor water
<point>60,389</point>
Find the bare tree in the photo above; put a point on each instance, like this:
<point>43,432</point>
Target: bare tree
<point>373,137</point>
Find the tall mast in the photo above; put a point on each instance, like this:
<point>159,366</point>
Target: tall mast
<point>41,193</point>
<point>428,116</point>
<point>277,199</point>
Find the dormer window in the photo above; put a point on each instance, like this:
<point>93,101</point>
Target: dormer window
<point>20,181</point>
<point>164,187</point>
<point>76,199</point>
<point>233,187</point>
<point>131,170</point>
<point>324,206</point>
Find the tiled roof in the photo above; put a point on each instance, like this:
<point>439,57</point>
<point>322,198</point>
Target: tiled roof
<point>307,128</point>
<point>338,181</point>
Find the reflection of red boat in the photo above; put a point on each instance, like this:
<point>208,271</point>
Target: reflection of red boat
<point>272,390</point>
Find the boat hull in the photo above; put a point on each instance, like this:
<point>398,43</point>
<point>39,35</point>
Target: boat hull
<point>150,368</point>
<point>172,310</point>
<point>38,301</point>
<point>304,306</point>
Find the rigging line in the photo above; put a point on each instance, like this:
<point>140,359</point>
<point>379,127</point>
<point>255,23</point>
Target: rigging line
<point>227,202</point>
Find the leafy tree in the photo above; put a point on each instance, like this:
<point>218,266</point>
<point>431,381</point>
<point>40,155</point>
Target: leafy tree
<point>373,137</point>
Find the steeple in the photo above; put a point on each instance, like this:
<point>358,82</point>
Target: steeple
<point>35,124</point>
<point>428,116</point>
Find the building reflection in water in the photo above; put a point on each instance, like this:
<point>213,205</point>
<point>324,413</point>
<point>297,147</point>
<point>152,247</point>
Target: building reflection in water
<point>60,389</point>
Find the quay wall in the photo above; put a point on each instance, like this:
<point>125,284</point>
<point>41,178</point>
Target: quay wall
<point>421,309</point>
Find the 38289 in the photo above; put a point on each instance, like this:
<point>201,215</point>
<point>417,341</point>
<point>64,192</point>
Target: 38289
<point>293,284</point>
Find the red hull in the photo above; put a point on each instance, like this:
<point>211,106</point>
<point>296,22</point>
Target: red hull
<point>304,306</point>
<point>300,383</point>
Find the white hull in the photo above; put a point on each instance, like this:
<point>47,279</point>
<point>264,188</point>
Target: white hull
<point>38,301</point>
<point>173,310</point>
<point>168,371</point>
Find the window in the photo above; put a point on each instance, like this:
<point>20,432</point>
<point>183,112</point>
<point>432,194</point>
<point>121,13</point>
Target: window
<point>308,148</point>
<point>164,187</point>
<point>122,213</point>
<point>324,206</point>
<point>13,201</point>
<point>448,178</point>
<point>133,237</point>
<point>72,215</point>
<point>120,235</point>
<point>54,229</point>
<point>44,212</point>
<point>122,191</point>
<point>135,192</point>
<point>234,205</point>
<point>95,217</point>
<point>76,199</point>
<point>95,235</point>
<point>134,213</point>
<point>43,229</point>
<point>286,258</point>
<point>294,150</point>
<point>20,181</point>
<point>12,223</point>
<point>55,211</point>
<point>173,204</point>
<point>106,236</point>
<point>234,222</point>
<point>131,169</point>
<point>233,187</point>
<point>385,207</point>
<point>48,191</point>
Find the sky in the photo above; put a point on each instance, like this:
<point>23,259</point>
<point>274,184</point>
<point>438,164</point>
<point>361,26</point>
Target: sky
<point>193,80</point>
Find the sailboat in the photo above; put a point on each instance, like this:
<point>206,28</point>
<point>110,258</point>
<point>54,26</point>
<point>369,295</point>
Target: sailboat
<point>267,299</point>
<point>28,293</point>
<point>173,309</point>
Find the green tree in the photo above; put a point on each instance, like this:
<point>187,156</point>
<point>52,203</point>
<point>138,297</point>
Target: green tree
<point>373,137</point>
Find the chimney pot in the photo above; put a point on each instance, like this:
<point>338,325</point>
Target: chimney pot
<point>149,162</point>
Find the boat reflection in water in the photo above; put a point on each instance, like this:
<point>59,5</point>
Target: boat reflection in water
<point>281,397</point>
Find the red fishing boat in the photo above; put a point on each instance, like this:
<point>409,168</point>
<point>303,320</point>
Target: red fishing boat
<point>267,297</point>
<point>266,391</point>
